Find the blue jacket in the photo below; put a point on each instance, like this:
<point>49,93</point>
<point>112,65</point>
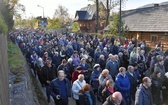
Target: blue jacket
<point>95,74</point>
<point>112,67</point>
<point>55,87</point>
<point>141,97</point>
<point>123,85</point>
<point>56,60</point>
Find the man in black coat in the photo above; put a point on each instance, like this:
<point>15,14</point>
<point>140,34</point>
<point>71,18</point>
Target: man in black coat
<point>47,75</point>
<point>133,81</point>
<point>115,99</point>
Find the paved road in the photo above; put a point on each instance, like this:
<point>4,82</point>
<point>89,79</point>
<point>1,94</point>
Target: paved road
<point>71,100</point>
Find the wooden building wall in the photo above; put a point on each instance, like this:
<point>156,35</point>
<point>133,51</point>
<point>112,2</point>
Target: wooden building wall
<point>89,26</point>
<point>151,38</point>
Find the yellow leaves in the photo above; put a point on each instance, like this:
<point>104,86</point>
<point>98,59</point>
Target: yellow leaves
<point>75,27</point>
<point>14,1</point>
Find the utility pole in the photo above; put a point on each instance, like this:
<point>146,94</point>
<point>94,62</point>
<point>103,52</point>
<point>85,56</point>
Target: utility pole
<point>120,20</point>
<point>107,12</point>
<point>97,16</point>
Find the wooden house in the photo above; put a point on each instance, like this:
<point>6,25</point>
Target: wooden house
<point>149,23</point>
<point>86,17</point>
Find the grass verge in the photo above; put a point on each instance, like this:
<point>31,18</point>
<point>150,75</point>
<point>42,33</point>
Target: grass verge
<point>16,62</point>
<point>15,59</point>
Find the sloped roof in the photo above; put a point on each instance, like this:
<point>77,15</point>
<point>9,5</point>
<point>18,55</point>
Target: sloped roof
<point>86,13</point>
<point>151,19</point>
<point>81,15</point>
<point>152,4</point>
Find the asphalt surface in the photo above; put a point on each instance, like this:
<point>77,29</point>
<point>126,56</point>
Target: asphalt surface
<point>71,100</point>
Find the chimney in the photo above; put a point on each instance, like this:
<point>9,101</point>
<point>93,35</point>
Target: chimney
<point>156,5</point>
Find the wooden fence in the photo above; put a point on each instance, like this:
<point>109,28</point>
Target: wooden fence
<point>4,85</point>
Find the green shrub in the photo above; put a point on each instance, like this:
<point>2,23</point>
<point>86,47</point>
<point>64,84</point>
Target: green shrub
<point>148,49</point>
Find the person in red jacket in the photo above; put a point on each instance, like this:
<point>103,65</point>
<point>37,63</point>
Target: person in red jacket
<point>76,73</point>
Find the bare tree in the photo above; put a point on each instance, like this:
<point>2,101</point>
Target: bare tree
<point>61,12</point>
<point>110,5</point>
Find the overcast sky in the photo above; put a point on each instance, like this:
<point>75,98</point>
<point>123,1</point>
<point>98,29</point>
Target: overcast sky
<point>72,5</point>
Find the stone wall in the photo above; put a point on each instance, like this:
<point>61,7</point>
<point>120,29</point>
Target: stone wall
<point>4,87</point>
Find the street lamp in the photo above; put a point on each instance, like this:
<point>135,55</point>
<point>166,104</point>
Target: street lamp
<point>42,8</point>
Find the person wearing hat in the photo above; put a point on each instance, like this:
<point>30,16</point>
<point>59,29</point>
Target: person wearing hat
<point>76,73</point>
<point>95,77</point>
<point>48,74</point>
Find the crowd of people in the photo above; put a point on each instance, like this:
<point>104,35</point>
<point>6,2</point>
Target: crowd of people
<point>87,68</point>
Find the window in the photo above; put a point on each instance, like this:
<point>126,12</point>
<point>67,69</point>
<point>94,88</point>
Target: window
<point>153,38</point>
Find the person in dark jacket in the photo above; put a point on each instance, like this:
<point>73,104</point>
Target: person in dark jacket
<point>166,64</point>
<point>63,66</point>
<point>70,67</point>
<point>112,66</point>
<point>86,96</point>
<point>133,81</point>
<point>122,84</point>
<point>47,75</point>
<point>105,53</point>
<point>95,77</point>
<point>156,87</point>
<point>165,89</point>
<point>40,51</point>
<point>143,95</point>
<point>84,65</point>
<point>115,99</point>
<point>39,67</point>
<point>60,89</point>
<point>108,90</point>
<point>97,54</point>
<point>90,62</point>
<point>102,61</point>
<point>56,59</point>
<point>33,58</point>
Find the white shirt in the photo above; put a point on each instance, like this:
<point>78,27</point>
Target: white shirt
<point>76,87</point>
